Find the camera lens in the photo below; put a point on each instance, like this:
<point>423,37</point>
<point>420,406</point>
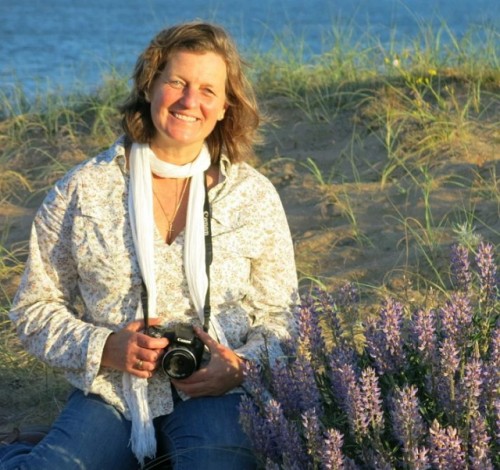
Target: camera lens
<point>179,363</point>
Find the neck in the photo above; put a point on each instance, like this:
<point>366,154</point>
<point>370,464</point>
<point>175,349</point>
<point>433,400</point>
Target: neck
<point>175,156</point>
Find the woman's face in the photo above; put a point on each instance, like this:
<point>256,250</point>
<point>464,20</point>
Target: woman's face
<point>187,100</point>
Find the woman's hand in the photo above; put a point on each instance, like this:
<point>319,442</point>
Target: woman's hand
<point>223,373</point>
<point>131,351</point>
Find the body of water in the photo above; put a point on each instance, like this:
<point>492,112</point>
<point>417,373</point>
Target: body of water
<point>61,45</point>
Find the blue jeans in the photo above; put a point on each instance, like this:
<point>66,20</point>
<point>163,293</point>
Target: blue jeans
<point>201,433</point>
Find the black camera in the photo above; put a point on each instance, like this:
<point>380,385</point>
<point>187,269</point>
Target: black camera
<point>184,352</point>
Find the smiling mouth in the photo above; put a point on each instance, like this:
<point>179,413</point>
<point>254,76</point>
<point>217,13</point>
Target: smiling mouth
<point>184,118</point>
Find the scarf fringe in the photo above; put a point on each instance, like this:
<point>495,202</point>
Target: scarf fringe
<point>142,438</point>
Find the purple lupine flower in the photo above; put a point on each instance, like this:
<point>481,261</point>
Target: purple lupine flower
<point>285,435</point>
<point>311,341</point>
<point>496,408</point>
<point>313,434</point>
<point>271,465</point>
<point>343,354</point>
<point>424,338</point>
<point>460,268</point>
<point>351,401</point>
<point>326,307</point>
<point>449,362</point>
<point>423,332</point>
<point>375,346</point>
<point>392,319</point>
<point>384,340</point>
<point>495,346</point>
<point>471,387</point>
<point>331,317</point>
<point>456,317</point>
<point>303,391</point>
<point>253,380</point>
<point>285,388</point>
<point>371,397</point>
<point>494,355</point>
<point>294,386</point>
<point>492,374</point>
<point>340,358</point>
<point>348,295</point>
<point>487,272</point>
<point>290,464</point>
<point>256,428</point>
<point>325,301</point>
<point>479,445</point>
<point>289,347</point>
<point>407,423</point>
<point>419,458</point>
<point>446,448</point>
<point>348,300</point>
<point>450,357</point>
<point>308,392</point>
<point>332,457</point>
<point>374,459</point>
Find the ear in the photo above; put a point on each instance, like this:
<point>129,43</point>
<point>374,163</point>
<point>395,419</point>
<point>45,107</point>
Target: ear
<point>222,113</point>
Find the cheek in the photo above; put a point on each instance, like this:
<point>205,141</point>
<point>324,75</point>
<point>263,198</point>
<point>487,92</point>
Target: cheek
<point>159,110</point>
<point>161,101</point>
<point>213,109</point>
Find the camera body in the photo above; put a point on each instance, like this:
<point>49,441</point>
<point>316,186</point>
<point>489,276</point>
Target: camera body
<point>184,352</point>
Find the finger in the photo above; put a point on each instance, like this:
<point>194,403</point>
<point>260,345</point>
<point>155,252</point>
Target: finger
<point>142,374</point>
<point>198,377</point>
<point>139,364</point>
<point>147,356</point>
<point>136,325</point>
<point>193,390</point>
<point>142,365</point>
<point>148,342</point>
<point>139,325</point>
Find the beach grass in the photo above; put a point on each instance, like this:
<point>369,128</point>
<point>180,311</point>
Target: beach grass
<point>384,155</point>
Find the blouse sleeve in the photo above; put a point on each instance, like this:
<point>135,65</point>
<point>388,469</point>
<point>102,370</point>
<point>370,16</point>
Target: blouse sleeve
<point>273,293</point>
<point>44,313</point>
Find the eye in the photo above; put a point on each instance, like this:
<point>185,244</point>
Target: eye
<point>209,91</point>
<point>177,84</point>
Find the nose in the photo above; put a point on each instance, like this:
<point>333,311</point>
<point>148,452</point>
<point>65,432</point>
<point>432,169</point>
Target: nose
<point>190,97</point>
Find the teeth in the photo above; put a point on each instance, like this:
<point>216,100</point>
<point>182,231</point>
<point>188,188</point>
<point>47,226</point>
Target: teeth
<point>182,117</point>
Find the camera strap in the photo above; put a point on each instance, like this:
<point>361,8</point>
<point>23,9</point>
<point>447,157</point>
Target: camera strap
<point>207,226</point>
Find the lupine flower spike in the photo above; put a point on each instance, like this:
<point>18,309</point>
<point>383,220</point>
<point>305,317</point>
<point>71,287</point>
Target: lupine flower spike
<point>460,268</point>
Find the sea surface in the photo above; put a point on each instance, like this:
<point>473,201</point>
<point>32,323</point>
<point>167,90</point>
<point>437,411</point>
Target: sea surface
<point>65,45</point>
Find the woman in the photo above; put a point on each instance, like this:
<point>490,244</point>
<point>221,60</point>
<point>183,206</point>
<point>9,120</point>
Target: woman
<point>131,222</point>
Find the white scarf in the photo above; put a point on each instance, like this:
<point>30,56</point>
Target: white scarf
<point>142,163</point>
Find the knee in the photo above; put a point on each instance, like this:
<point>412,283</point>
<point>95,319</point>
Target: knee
<point>208,450</point>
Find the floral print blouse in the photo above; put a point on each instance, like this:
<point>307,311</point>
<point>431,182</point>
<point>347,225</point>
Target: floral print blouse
<point>82,279</point>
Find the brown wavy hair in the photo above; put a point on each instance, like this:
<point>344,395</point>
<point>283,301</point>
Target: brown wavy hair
<point>236,134</point>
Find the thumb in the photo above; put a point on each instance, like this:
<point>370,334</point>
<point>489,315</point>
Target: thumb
<point>205,337</point>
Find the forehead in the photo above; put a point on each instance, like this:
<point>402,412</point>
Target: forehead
<point>197,65</point>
